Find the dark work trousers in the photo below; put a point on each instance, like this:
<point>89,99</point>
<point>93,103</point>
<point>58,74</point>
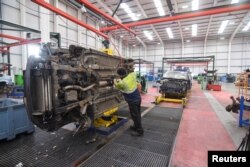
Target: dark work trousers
<point>135,112</point>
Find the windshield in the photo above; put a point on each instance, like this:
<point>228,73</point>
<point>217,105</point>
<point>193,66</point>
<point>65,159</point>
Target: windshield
<point>175,75</point>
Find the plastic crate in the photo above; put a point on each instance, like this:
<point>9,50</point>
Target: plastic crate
<point>13,119</point>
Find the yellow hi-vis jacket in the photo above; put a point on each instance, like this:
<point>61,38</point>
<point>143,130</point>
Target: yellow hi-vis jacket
<point>128,84</point>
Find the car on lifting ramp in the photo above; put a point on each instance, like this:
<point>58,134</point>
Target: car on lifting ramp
<point>175,84</point>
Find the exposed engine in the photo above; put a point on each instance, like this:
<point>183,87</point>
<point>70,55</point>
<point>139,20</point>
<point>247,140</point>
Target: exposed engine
<point>174,88</point>
<point>71,85</point>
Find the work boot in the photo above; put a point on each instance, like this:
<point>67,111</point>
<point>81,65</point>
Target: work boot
<point>136,133</point>
<point>132,128</point>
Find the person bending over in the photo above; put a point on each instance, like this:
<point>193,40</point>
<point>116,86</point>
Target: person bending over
<point>128,86</point>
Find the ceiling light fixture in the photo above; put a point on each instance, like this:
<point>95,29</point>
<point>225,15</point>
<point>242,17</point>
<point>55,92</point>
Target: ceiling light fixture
<point>158,43</point>
<point>159,7</point>
<point>134,45</point>
<point>231,23</point>
<point>121,36</point>
<point>125,7</point>
<point>187,28</point>
<point>194,30</point>
<point>195,4</point>
<point>234,1</point>
<point>246,28</point>
<point>188,41</point>
<point>221,38</point>
<point>184,7</point>
<point>170,34</point>
<point>223,26</point>
<point>148,35</point>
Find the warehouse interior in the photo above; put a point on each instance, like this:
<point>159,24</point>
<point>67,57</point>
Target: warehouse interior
<point>59,100</point>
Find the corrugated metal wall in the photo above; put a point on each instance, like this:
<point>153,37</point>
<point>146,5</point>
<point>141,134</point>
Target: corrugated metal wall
<point>240,58</point>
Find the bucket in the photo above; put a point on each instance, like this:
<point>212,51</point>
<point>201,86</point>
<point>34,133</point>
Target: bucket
<point>19,80</point>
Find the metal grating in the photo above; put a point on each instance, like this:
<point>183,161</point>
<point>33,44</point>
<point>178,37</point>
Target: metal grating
<point>132,156</point>
<point>46,149</point>
<point>105,161</point>
<point>145,143</point>
<point>28,157</point>
<point>153,149</point>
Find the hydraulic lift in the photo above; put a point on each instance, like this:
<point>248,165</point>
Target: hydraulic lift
<point>182,61</point>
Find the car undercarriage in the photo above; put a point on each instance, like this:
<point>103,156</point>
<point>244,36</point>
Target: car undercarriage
<point>71,85</point>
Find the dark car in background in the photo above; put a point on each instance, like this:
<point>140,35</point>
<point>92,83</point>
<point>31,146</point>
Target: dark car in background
<point>175,84</point>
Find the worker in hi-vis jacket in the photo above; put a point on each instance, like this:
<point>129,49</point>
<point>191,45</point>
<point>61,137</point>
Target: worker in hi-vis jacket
<point>128,86</point>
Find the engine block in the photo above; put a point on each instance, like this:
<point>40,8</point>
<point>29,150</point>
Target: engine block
<point>71,85</point>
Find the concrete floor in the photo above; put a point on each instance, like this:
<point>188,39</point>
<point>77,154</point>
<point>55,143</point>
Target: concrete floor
<point>205,125</point>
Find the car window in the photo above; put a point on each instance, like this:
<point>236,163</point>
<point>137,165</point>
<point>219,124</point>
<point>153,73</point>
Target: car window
<point>175,75</point>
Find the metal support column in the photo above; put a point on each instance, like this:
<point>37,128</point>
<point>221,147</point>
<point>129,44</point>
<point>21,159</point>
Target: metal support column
<point>139,64</point>
<point>24,35</point>
<point>44,24</point>
<point>8,60</point>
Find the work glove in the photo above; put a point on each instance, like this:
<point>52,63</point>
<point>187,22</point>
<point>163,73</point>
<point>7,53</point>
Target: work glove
<point>116,81</point>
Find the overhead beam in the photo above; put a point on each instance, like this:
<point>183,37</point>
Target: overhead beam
<point>5,43</point>
<point>117,18</point>
<point>3,22</point>
<point>21,43</point>
<point>187,15</point>
<point>208,27</point>
<point>231,39</point>
<point>146,16</point>
<point>12,37</point>
<point>69,17</point>
<point>97,10</point>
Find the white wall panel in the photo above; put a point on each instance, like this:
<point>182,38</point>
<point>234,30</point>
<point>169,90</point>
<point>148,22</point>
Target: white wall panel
<point>188,50</point>
<point>12,3</point>
<point>72,35</point>
<point>236,69</point>
<point>151,52</point>
<point>63,31</point>
<point>91,42</point>
<point>15,50</point>
<point>236,55</point>
<point>236,62</point>
<point>222,48</point>
<point>32,6</point>
<point>211,49</point>
<point>221,55</point>
<point>32,21</point>
<point>10,14</point>
<point>159,52</point>
<point>237,47</point>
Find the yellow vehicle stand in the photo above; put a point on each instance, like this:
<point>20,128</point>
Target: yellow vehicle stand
<point>159,99</point>
<point>108,51</point>
<point>108,119</point>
